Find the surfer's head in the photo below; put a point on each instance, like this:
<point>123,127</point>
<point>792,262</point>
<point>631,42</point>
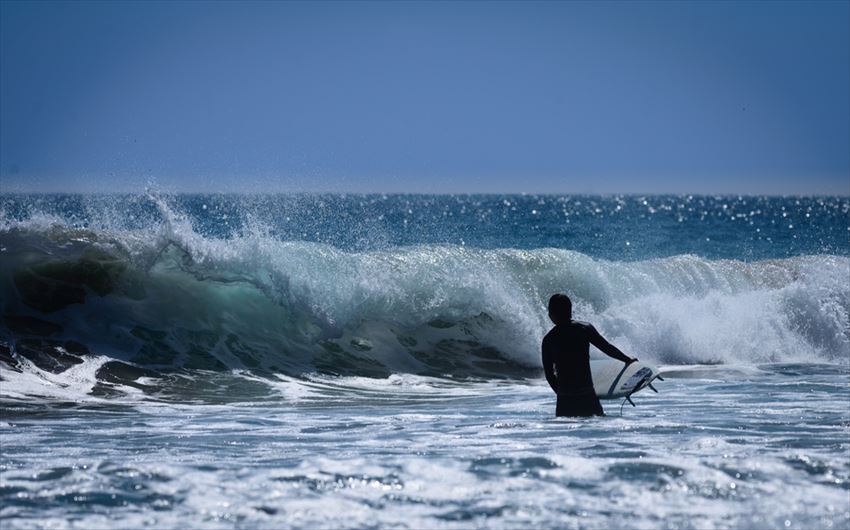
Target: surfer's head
<point>560,308</point>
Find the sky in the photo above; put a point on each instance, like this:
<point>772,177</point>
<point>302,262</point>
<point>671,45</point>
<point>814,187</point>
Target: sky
<point>431,97</point>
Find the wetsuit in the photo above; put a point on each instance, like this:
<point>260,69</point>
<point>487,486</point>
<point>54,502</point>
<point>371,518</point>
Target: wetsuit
<point>566,361</point>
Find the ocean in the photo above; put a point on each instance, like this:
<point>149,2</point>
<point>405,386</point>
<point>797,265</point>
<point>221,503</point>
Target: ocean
<point>373,361</point>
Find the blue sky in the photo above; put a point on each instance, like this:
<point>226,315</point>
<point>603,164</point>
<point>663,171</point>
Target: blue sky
<point>437,97</point>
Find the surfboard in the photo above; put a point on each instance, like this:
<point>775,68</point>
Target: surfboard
<point>614,379</point>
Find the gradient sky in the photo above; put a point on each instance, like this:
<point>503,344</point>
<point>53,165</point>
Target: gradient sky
<point>607,97</point>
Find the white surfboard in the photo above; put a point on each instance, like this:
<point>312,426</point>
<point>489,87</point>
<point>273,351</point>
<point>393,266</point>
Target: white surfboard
<point>614,379</point>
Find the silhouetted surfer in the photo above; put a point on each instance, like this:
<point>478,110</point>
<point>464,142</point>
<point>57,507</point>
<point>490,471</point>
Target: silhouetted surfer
<point>566,360</point>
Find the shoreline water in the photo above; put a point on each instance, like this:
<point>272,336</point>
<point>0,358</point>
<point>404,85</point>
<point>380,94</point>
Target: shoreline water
<point>743,452</point>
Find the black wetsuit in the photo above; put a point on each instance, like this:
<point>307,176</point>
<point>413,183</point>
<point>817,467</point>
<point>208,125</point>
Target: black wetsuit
<point>566,361</point>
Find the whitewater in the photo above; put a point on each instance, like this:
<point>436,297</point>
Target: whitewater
<point>303,361</point>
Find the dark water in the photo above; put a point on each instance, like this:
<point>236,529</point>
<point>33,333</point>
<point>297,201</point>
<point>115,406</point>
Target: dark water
<point>372,361</point>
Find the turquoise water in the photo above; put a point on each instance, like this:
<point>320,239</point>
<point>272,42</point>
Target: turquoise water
<point>373,361</point>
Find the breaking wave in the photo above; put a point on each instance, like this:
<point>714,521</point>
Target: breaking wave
<point>166,298</point>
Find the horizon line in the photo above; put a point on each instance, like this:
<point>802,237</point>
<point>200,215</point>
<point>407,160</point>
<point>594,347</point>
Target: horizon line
<point>436,194</point>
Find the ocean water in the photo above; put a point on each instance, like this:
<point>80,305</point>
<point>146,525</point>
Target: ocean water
<point>370,361</point>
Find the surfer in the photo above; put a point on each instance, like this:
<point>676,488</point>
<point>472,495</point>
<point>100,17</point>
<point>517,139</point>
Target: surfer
<point>566,359</point>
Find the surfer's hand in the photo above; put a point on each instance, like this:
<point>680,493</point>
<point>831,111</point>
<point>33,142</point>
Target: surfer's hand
<point>632,360</point>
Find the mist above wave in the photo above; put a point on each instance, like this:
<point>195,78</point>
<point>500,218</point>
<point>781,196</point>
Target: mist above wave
<point>617,228</point>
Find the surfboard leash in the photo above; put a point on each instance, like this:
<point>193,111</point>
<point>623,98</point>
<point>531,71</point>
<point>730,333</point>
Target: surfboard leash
<point>629,397</point>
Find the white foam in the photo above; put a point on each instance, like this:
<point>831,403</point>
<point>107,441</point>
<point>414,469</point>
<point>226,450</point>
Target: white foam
<point>73,384</point>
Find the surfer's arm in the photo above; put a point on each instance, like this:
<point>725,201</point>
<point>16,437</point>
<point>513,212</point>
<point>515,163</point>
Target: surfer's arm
<point>607,348</point>
<point>549,368</point>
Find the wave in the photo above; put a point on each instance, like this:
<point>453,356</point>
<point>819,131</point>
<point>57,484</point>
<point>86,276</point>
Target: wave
<point>165,297</point>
